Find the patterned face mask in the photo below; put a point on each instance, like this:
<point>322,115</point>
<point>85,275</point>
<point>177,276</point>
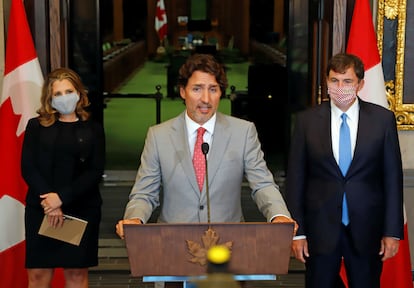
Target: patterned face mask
<point>342,96</point>
<point>65,104</point>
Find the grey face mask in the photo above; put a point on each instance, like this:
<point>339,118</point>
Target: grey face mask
<point>65,104</point>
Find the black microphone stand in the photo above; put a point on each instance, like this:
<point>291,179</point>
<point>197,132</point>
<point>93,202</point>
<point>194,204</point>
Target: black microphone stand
<point>204,148</point>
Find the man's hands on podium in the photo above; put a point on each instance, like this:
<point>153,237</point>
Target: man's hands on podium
<point>284,219</point>
<point>120,226</point>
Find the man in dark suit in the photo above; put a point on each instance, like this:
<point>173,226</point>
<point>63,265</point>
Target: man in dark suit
<point>346,209</point>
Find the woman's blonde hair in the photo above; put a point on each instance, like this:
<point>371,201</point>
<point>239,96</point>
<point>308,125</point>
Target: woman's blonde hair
<point>47,114</point>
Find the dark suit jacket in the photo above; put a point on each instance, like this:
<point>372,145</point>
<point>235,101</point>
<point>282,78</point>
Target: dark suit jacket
<point>38,160</point>
<point>373,183</point>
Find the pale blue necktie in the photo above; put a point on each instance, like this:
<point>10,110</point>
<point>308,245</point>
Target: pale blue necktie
<point>345,158</point>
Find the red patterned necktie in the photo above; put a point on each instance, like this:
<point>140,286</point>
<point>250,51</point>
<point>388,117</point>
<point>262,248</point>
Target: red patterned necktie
<point>199,160</point>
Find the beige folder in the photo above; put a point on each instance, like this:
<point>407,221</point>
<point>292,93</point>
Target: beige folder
<point>71,231</point>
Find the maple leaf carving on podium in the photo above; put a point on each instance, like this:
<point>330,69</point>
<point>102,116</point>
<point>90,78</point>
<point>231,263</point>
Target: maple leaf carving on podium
<point>199,252</point>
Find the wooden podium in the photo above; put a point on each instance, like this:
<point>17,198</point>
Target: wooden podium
<point>178,249</point>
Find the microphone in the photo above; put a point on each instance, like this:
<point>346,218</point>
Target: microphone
<point>204,148</point>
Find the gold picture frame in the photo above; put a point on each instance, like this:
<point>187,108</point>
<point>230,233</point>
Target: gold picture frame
<point>396,10</point>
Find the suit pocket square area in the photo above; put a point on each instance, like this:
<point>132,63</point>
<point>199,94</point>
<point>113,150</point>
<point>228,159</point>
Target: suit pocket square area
<point>71,231</point>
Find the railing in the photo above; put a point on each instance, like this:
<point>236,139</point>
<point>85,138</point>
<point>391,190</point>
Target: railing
<point>157,96</point>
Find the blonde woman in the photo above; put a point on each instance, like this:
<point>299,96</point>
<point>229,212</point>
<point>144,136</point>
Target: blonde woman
<point>62,163</point>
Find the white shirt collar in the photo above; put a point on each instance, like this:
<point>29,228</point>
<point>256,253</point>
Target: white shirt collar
<point>192,126</point>
<point>352,113</point>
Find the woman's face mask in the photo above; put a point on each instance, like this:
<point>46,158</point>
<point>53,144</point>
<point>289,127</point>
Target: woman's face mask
<point>65,104</point>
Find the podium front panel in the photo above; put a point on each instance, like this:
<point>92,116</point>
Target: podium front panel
<point>162,249</point>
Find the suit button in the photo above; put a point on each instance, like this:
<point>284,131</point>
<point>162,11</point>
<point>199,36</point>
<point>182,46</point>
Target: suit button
<point>201,207</point>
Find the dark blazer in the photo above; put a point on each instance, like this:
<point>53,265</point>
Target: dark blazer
<point>373,183</point>
<point>38,163</point>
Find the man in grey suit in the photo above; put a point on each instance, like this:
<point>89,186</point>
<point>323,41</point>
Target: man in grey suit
<point>348,203</point>
<point>234,153</point>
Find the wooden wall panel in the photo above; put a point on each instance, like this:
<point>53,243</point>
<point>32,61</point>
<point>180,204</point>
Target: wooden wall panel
<point>118,22</point>
<point>57,36</point>
<point>279,19</point>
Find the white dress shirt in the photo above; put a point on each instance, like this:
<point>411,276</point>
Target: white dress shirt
<point>352,120</point>
<point>192,128</point>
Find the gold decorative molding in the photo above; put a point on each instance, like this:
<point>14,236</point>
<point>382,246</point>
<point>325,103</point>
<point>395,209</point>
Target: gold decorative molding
<point>396,10</point>
<point>391,9</point>
<point>390,92</point>
<point>380,25</point>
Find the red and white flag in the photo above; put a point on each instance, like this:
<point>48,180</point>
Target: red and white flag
<point>396,271</point>
<point>19,101</point>
<point>363,43</point>
<point>161,20</point>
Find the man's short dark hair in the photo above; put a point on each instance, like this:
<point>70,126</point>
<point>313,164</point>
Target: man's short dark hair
<point>205,63</point>
<point>343,61</point>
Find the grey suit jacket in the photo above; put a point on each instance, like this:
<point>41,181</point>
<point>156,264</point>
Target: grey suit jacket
<point>234,153</point>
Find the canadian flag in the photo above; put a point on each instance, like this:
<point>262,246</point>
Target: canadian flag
<point>19,101</point>
<point>161,20</point>
<point>363,43</point>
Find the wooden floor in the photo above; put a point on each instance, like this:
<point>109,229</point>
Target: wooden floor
<point>113,270</point>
